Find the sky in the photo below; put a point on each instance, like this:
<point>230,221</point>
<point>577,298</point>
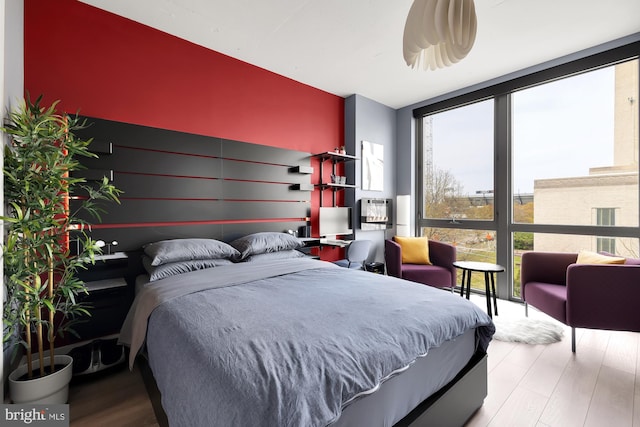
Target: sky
<point>560,129</point>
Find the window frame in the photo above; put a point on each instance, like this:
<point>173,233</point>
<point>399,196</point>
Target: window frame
<point>504,225</point>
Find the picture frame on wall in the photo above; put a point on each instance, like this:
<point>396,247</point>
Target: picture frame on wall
<point>372,166</point>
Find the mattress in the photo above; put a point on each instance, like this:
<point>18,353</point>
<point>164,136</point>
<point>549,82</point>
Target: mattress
<point>400,394</point>
<point>301,343</point>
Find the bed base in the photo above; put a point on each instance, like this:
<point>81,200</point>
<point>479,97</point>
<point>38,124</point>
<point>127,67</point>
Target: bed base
<point>452,405</point>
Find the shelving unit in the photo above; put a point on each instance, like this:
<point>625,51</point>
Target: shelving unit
<point>335,158</point>
<point>109,285</point>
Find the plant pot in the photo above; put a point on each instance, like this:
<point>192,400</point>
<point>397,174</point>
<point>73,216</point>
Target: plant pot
<point>50,389</point>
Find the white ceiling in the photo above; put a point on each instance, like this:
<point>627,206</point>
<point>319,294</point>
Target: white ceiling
<point>355,46</point>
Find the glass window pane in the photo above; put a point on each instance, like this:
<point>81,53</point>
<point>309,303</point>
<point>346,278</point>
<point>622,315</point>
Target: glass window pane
<point>471,245</point>
<point>458,163</point>
<point>575,148</point>
<point>523,242</point>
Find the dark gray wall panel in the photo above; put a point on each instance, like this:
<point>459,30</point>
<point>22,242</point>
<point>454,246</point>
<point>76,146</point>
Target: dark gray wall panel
<point>243,190</point>
<point>261,172</point>
<point>133,238</point>
<point>151,138</point>
<point>145,211</point>
<point>262,153</point>
<point>180,185</point>
<point>153,186</point>
<point>265,211</point>
<point>234,231</point>
<point>148,161</point>
<point>130,239</point>
<point>138,211</point>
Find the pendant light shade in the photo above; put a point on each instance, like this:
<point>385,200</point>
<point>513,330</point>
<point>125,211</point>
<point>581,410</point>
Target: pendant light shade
<point>439,33</point>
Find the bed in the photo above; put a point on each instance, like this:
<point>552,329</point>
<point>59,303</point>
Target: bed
<point>269,337</point>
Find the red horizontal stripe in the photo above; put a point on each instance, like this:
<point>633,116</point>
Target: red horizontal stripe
<point>254,162</point>
<point>178,153</point>
<point>166,175</point>
<point>207,222</point>
<point>209,156</point>
<point>197,199</point>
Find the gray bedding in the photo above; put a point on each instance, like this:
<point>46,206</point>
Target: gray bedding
<point>288,343</point>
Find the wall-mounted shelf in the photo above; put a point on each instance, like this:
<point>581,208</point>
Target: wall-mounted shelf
<point>335,186</point>
<point>303,170</point>
<point>302,187</point>
<point>335,159</point>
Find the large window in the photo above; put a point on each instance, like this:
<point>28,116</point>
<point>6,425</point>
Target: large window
<point>458,163</point>
<point>546,162</point>
<point>575,152</point>
<point>458,179</point>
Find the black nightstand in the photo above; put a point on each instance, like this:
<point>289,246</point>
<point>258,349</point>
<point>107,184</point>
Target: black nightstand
<point>109,284</point>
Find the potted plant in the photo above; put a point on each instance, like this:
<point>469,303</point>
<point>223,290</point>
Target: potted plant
<point>41,285</point>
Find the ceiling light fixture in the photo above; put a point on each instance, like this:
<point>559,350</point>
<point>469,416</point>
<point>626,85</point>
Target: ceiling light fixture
<point>439,33</point>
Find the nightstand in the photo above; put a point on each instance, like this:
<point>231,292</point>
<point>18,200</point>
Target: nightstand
<point>110,294</point>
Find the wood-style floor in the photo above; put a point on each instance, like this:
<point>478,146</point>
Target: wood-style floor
<point>115,398</point>
<point>529,385</point>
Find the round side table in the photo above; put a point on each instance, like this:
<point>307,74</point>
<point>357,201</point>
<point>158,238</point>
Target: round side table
<point>489,271</point>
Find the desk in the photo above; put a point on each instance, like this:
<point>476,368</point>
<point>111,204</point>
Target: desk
<point>489,271</point>
<point>313,242</point>
<point>335,242</point>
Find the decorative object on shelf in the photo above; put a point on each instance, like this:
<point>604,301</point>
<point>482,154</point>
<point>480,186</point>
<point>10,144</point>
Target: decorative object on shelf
<point>101,244</point>
<point>372,166</point>
<point>41,284</point>
<point>342,150</point>
<point>438,33</point>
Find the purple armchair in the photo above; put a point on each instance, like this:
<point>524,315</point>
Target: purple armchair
<point>442,274</point>
<point>594,296</point>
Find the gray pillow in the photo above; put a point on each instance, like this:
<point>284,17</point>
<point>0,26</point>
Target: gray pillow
<point>269,256</point>
<point>176,250</point>
<point>265,242</point>
<point>157,272</point>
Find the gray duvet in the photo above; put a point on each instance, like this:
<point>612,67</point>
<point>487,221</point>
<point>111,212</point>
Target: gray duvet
<point>288,343</point>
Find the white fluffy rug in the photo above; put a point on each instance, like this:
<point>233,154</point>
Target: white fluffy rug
<point>527,330</point>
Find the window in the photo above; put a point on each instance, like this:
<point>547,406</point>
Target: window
<point>471,245</point>
<point>606,216</point>
<point>457,192</point>
<point>545,162</point>
<point>627,246</point>
<point>573,148</point>
<point>458,163</point>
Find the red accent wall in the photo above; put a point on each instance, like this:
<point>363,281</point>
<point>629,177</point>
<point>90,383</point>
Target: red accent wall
<point>106,66</point>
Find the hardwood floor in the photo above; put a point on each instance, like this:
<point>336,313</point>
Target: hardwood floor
<point>548,385</point>
<point>116,398</point>
<point>529,385</point>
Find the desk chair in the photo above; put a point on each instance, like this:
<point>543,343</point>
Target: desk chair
<point>357,254</point>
